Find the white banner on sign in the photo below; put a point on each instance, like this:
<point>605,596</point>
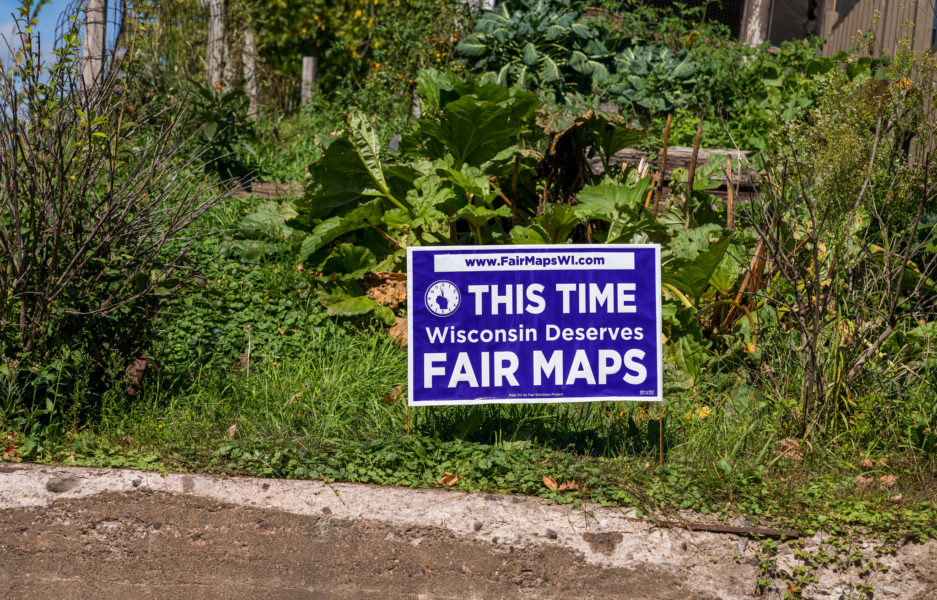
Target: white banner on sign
<point>534,261</point>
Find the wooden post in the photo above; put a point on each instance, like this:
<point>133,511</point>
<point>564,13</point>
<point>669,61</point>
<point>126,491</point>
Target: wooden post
<point>251,84</point>
<point>730,204</point>
<point>95,42</point>
<point>228,77</point>
<point>756,21</point>
<point>310,71</point>
<point>415,110</point>
<point>663,167</point>
<point>215,42</point>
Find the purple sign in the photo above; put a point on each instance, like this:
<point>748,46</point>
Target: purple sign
<point>526,324</point>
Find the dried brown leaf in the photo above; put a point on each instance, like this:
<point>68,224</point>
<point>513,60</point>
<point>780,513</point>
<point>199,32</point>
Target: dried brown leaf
<point>790,449</point>
<point>569,486</point>
<point>888,481</point>
<point>399,332</point>
<point>550,483</point>
<point>449,479</point>
<point>387,288</point>
<point>864,482</point>
<point>395,393</point>
<point>867,463</point>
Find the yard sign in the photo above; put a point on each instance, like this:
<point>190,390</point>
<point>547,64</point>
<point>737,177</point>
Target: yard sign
<point>529,324</point>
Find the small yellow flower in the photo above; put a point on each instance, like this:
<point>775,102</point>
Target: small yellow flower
<point>358,14</point>
<point>302,31</point>
<point>315,17</point>
<point>377,66</point>
<point>703,412</point>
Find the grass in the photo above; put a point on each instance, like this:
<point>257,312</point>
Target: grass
<point>326,414</point>
<point>318,402</point>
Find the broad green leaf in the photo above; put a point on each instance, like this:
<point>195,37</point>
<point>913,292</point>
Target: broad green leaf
<point>368,147</point>
<point>529,235</point>
<point>479,215</point>
<point>549,72</point>
<point>350,306</point>
<point>336,180</point>
<point>269,220</point>
<point>558,221</point>
<point>622,207</point>
<point>350,259</point>
<point>530,54</point>
<point>473,45</point>
<point>334,227</point>
<point>692,276</point>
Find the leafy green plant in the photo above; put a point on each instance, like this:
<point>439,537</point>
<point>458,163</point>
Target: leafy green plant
<point>542,45</point>
<point>95,215</point>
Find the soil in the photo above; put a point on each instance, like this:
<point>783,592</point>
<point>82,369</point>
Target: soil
<point>146,544</point>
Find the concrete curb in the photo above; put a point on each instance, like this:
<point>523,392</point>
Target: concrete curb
<point>720,564</point>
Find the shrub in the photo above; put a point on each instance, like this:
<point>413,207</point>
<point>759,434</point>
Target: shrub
<point>94,213</point>
<point>847,220</point>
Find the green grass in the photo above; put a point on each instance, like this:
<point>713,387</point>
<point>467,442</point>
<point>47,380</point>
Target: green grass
<point>316,405</point>
<point>321,415</point>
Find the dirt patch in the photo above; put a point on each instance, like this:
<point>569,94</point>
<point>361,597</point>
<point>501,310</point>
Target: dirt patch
<point>180,535</point>
<point>148,544</point>
<point>604,543</point>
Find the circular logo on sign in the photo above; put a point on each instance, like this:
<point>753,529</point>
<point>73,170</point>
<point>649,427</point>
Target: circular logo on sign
<point>442,298</point>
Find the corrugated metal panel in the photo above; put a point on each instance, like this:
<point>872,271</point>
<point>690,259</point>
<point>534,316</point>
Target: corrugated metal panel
<point>894,19</point>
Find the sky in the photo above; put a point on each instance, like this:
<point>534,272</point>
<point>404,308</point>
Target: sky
<point>48,19</point>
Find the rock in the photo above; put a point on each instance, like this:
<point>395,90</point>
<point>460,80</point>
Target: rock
<point>58,485</point>
<point>478,525</point>
<point>136,482</point>
<point>550,534</point>
<point>890,589</point>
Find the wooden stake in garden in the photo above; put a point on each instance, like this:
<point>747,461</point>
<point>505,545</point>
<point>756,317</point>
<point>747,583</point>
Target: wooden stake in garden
<point>310,72</point>
<point>215,42</point>
<point>663,166</point>
<point>95,42</point>
<point>730,200</point>
<point>691,174</point>
<point>251,83</point>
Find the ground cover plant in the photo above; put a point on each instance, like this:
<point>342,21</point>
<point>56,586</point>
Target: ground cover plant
<point>798,323</point>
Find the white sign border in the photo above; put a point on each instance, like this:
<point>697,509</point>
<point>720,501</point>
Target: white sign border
<point>535,400</point>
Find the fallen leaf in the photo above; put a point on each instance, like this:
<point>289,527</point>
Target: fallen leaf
<point>888,481</point>
<point>867,463</point>
<point>864,482</point>
<point>399,332</point>
<point>898,497</point>
<point>231,431</point>
<point>387,288</point>
<point>569,486</point>
<point>790,449</point>
<point>449,479</point>
<point>10,452</point>
<point>393,395</point>
<point>550,483</point>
